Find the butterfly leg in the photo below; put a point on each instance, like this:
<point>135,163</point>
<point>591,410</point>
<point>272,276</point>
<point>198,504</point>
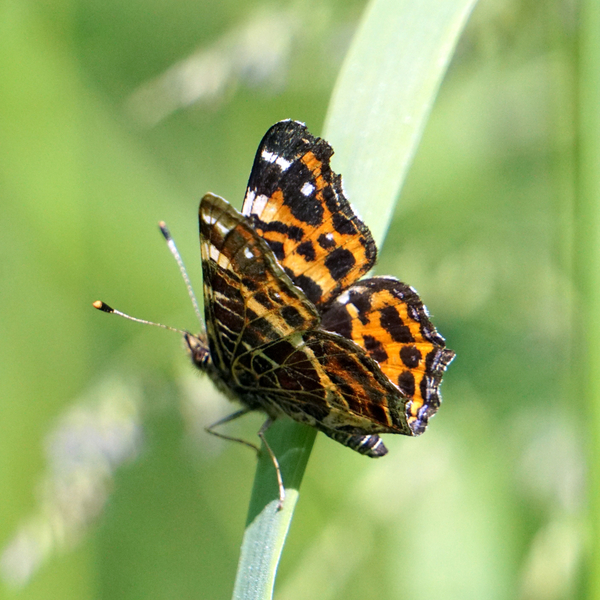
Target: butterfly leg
<point>261,435</point>
<point>231,417</point>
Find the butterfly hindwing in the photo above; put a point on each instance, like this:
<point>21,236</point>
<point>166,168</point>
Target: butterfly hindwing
<point>361,397</point>
<point>296,203</point>
<point>326,381</point>
<point>387,318</point>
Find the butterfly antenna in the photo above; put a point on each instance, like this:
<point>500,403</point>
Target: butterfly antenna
<point>113,311</point>
<point>182,269</point>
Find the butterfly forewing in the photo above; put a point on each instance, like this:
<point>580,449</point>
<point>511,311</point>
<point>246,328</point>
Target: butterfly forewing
<point>296,203</point>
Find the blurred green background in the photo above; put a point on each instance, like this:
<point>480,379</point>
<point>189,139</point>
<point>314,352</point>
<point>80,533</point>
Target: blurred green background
<point>114,116</point>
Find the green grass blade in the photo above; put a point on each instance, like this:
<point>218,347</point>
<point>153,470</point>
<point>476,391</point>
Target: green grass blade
<point>384,94</point>
<point>266,527</point>
<point>382,98</point>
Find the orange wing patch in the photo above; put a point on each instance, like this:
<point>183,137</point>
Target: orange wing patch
<point>297,205</point>
<point>388,320</point>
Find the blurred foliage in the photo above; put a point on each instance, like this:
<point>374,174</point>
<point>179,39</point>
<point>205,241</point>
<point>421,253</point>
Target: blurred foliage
<point>104,132</point>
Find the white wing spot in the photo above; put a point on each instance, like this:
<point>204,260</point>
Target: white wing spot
<point>213,253</point>
<point>249,200</point>
<point>248,253</point>
<point>343,298</point>
<point>308,189</point>
<point>259,204</point>
<point>209,218</point>
<point>284,164</point>
<point>270,157</point>
<point>222,228</point>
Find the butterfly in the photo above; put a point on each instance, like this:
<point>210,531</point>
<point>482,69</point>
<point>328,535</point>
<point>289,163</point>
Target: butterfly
<point>291,329</point>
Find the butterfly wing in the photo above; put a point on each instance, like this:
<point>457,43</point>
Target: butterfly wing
<point>265,342</point>
<point>296,203</point>
<point>387,318</point>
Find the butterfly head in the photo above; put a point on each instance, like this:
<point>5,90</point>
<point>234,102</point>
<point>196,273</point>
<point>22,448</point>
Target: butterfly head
<point>197,346</point>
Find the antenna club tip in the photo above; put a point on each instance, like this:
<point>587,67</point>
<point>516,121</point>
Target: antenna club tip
<point>164,230</point>
<point>103,306</point>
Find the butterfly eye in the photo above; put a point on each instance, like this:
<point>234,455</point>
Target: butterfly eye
<point>198,349</point>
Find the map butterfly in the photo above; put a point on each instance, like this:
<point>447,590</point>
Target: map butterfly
<point>291,329</point>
